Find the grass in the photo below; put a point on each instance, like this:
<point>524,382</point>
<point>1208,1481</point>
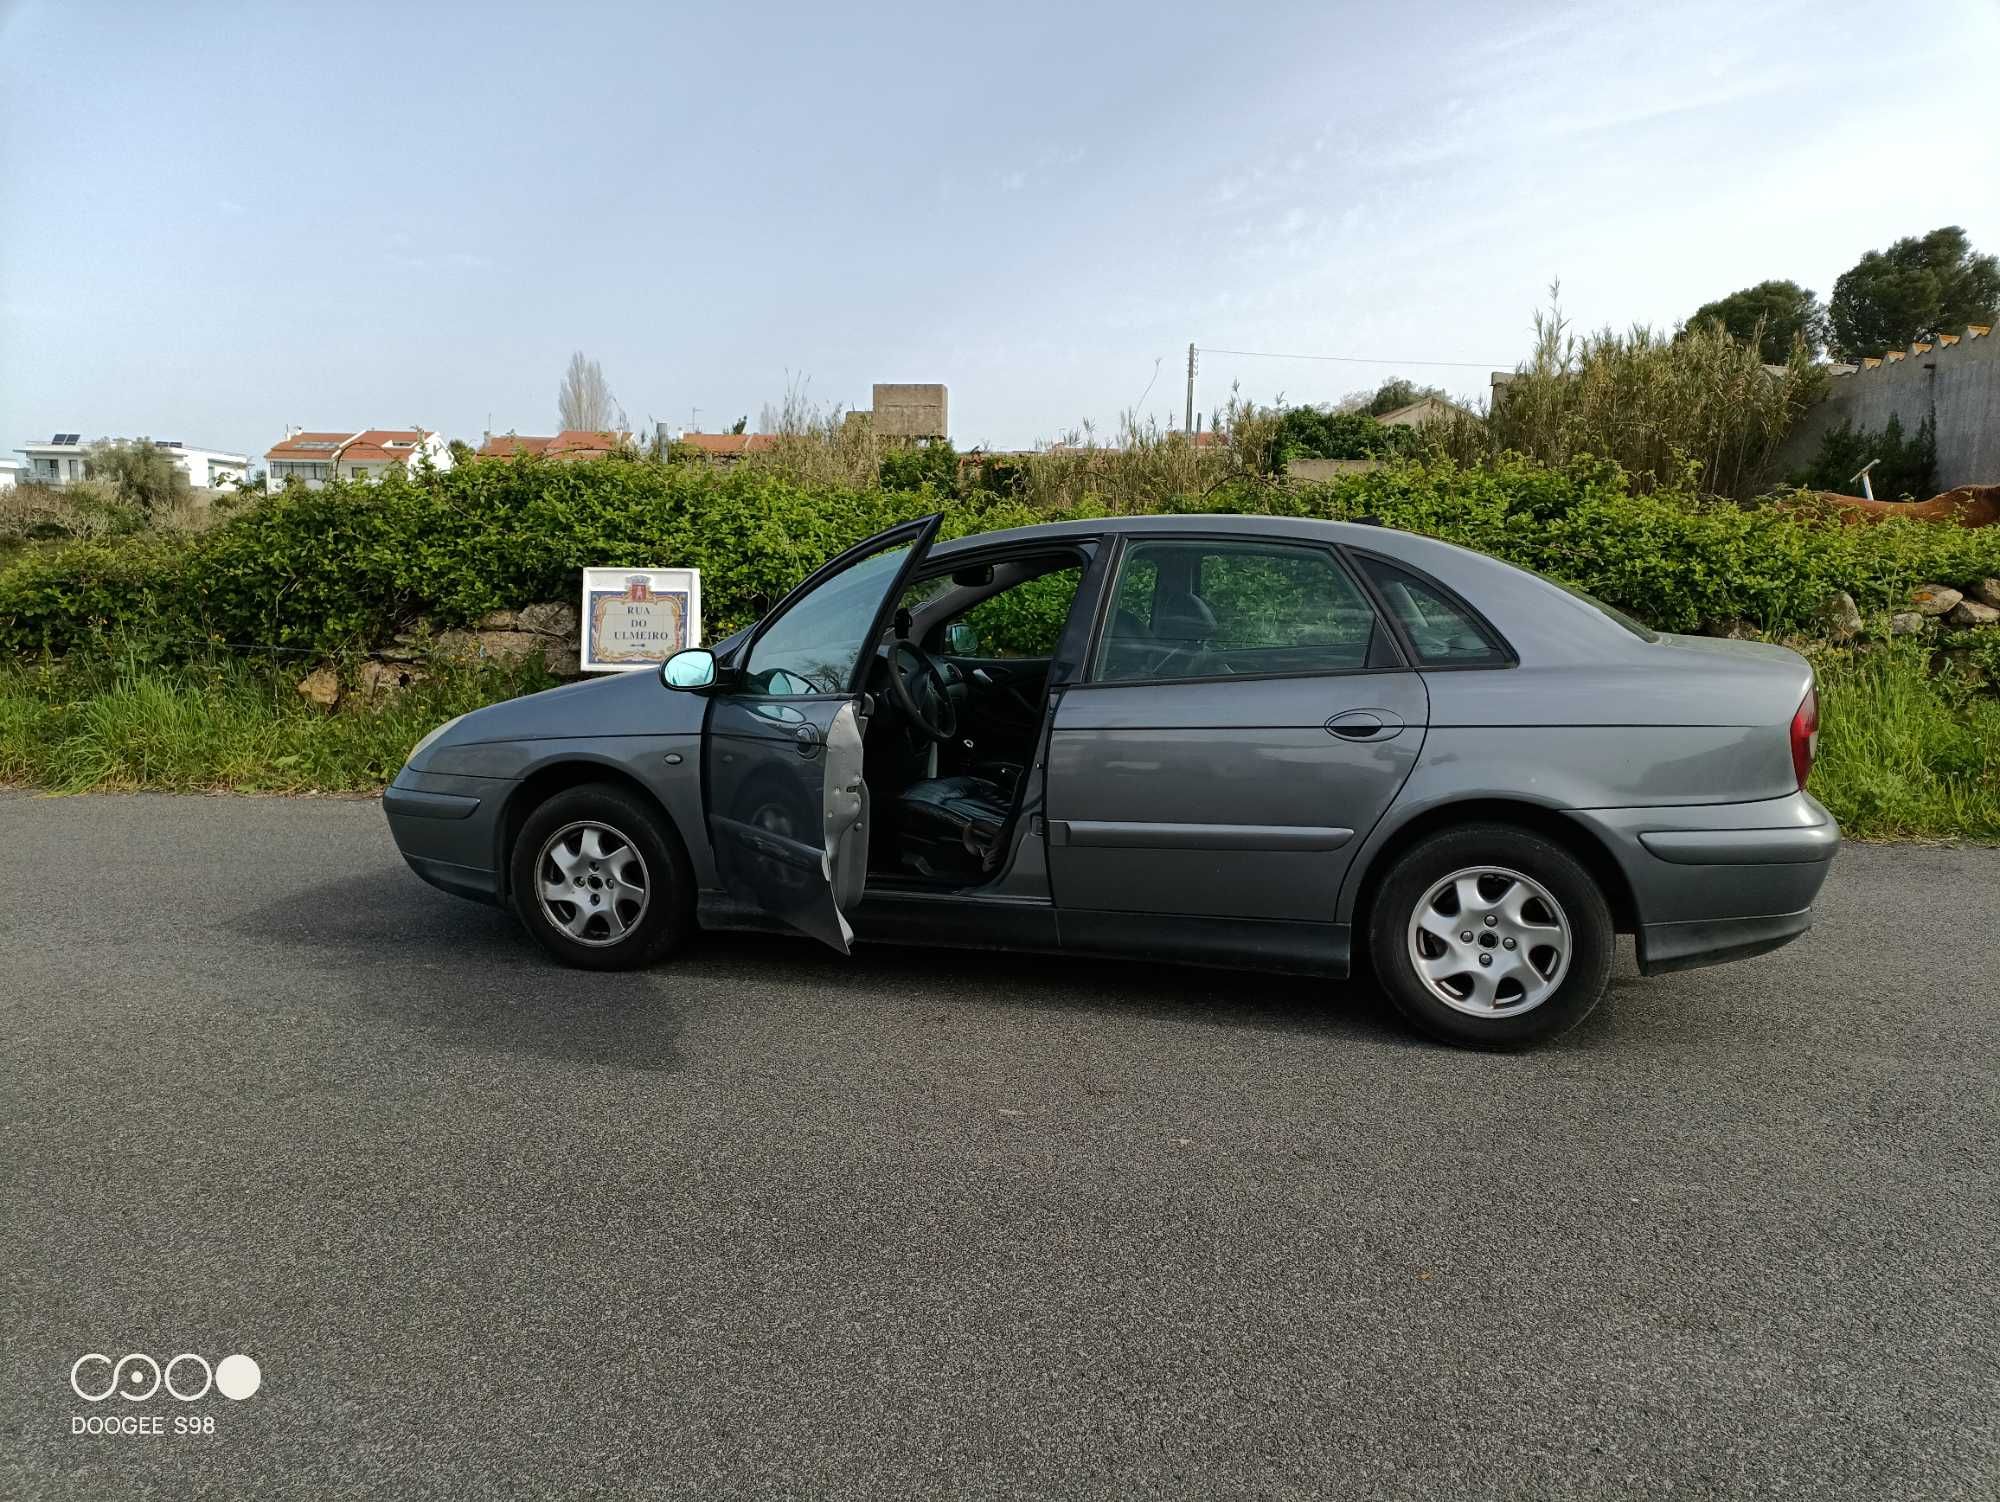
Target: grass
<point>1903,753</point>
<point>126,723</point>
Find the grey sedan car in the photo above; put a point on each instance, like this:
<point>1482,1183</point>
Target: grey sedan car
<point>1246,741</point>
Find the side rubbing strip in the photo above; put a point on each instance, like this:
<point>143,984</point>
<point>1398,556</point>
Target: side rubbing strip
<point>1120,836</point>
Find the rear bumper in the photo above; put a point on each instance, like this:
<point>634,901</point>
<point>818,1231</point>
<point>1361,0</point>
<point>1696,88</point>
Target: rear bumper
<point>1715,941</point>
<point>1719,882</point>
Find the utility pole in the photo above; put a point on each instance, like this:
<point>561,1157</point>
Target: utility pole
<point>1190,393</point>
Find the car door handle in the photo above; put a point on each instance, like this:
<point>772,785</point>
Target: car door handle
<point>1365,725</point>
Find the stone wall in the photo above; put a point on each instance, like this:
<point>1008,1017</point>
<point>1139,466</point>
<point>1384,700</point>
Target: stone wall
<point>551,631</point>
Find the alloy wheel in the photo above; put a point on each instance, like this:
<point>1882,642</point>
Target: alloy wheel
<point>592,883</point>
<point>1489,942</point>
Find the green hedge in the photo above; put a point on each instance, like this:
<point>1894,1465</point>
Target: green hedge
<point>346,567</point>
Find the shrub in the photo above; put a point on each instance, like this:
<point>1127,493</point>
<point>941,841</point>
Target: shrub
<point>347,567</point>
<point>1663,407</point>
<point>1321,433</point>
<point>917,466</point>
<point>1904,471</point>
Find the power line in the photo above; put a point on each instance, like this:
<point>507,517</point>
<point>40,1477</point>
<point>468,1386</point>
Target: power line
<point>1265,354</point>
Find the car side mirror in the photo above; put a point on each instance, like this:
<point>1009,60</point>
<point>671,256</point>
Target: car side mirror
<point>689,670</point>
<point>961,640</point>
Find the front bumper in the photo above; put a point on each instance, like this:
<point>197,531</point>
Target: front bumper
<point>1719,882</point>
<point>447,828</point>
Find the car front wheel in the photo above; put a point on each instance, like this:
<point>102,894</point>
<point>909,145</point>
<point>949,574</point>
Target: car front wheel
<point>1491,935</point>
<point>598,881</point>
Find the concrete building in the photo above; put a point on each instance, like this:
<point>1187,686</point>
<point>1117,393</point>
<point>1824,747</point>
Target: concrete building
<point>1953,381</point>
<point>64,459</point>
<point>911,410</point>
<point>1417,413</point>
<point>313,459</point>
<point>10,473</point>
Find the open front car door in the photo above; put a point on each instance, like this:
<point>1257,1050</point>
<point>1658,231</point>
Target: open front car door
<point>787,808</point>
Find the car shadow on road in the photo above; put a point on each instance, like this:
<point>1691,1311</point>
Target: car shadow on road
<point>420,959</point>
<point>401,953</point>
<point>1170,994</point>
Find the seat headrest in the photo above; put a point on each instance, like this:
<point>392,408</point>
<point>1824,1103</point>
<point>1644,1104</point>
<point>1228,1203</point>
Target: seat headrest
<point>1183,617</point>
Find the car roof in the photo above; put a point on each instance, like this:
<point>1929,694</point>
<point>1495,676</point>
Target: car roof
<point>1227,523</point>
<point>1541,621</point>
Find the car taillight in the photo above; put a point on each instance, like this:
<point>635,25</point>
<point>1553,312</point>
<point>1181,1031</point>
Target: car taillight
<point>1805,735</point>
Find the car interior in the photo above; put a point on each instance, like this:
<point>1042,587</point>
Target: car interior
<point>960,684</point>
<point>960,680</point>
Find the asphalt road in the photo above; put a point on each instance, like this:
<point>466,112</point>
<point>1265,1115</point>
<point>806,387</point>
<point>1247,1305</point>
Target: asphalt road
<point>769,1222</point>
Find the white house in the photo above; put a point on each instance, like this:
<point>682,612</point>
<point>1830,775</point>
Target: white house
<point>64,459</point>
<point>10,473</point>
<point>57,462</point>
<point>206,468</point>
<point>315,458</point>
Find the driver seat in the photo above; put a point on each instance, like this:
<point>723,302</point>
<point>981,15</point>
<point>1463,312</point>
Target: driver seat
<point>951,826</point>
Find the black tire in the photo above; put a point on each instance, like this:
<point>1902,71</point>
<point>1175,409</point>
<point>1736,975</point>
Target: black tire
<point>655,927</point>
<point>1506,847</point>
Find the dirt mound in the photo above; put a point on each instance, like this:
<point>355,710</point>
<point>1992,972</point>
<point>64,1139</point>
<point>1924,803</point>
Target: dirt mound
<point>1967,506</point>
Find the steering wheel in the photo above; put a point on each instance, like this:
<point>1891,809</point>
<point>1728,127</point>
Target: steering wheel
<point>938,719</point>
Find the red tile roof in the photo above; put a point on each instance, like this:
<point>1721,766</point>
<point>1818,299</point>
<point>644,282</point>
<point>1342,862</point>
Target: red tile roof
<point>372,445</point>
<point>507,445</point>
<point>729,445</point>
<point>308,446</point>
<point>582,443</point>
<point>377,444</point>
<point>571,443</point>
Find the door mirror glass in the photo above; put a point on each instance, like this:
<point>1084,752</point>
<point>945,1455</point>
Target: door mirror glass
<point>961,639</point>
<point>692,669</point>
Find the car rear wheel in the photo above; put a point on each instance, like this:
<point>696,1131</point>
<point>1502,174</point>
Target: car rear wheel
<point>598,880</point>
<point>1491,935</point>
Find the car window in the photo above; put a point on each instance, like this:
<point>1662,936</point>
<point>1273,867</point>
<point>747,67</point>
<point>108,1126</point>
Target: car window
<point>1444,633</point>
<point>1026,620</point>
<point>813,647</point>
<point>1208,609</point>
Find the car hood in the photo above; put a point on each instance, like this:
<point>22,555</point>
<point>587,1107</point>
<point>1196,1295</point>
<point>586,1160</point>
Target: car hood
<point>635,703</point>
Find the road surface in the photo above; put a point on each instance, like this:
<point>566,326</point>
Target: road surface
<point>770,1222</point>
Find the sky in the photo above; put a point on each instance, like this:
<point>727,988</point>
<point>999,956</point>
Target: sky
<point>217,220</point>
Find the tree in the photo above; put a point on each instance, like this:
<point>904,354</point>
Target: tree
<point>584,400</point>
<point>1386,398</point>
<point>1773,314</point>
<point>138,473</point>
<point>1917,288</point>
<point>740,424</point>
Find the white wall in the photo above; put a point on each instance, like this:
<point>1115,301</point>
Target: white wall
<point>207,468</point>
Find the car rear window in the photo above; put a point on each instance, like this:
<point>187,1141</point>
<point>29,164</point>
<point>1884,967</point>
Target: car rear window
<point>1444,633</point>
